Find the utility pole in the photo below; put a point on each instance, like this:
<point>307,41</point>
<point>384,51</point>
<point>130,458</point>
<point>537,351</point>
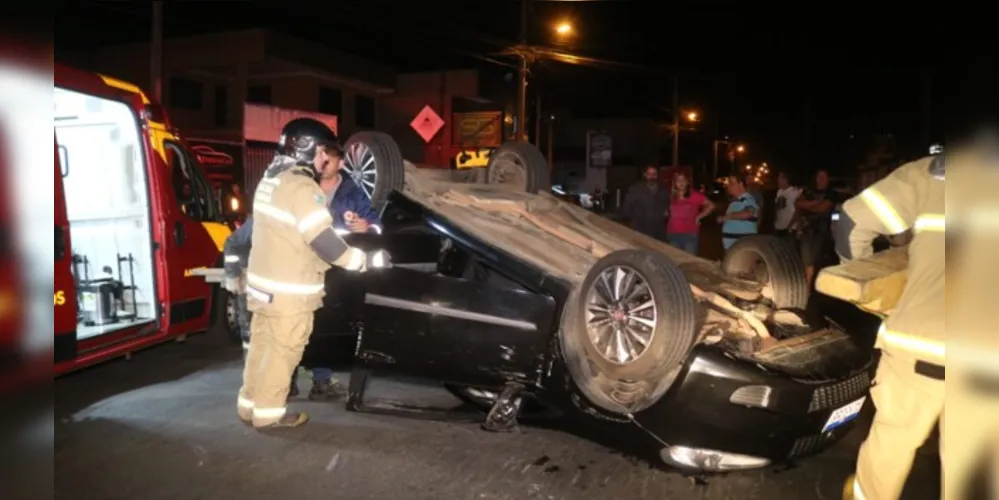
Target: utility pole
<point>551,135</point>
<point>522,76</point>
<point>714,163</point>
<point>676,120</point>
<point>156,52</point>
<point>537,119</point>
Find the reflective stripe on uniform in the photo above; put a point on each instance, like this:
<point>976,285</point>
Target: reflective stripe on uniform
<point>232,258</point>
<point>884,211</point>
<point>913,343</point>
<point>274,213</point>
<point>281,287</point>
<point>357,259</point>
<point>930,222</point>
<point>260,295</point>
<point>243,402</point>
<point>269,412</point>
<point>313,219</point>
<point>975,359</point>
<point>858,494</point>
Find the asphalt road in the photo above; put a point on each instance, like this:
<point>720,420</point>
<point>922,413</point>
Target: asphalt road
<point>163,425</point>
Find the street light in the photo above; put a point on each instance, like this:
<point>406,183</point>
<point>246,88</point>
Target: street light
<point>690,116</point>
<point>740,149</point>
<point>563,28</point>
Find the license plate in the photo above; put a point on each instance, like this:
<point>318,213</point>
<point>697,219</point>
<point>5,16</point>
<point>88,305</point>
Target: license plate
<point>844,414</point>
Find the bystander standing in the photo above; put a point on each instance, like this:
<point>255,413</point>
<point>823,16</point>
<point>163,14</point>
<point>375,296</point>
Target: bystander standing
<point>743,212</point>
<point>646,205</point>
<point>787,195</point>
<point>687,208</point>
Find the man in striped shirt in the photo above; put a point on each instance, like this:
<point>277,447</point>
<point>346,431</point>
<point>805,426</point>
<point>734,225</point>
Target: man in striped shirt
<point>743,212</point>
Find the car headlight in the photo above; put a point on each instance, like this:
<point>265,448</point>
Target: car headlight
<point>701,459</point>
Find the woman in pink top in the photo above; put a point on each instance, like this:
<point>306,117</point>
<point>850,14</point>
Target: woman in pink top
<point>687,208</point>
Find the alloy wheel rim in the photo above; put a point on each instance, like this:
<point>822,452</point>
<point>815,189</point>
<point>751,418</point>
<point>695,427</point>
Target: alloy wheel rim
<point>359,165</point>
<point>621,314</point>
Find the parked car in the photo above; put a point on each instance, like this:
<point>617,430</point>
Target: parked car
<point>524,305</point>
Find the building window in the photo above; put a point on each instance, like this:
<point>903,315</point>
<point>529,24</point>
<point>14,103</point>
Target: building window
<point>186,94</point>
<point>221,105</point>
<point>330,101</point>
<point>259,94</point>
<point>364,111</point>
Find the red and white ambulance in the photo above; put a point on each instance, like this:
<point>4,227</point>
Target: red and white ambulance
<point>134,217</point>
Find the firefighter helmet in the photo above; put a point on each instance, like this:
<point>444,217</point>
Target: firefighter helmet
<point>300,137</point>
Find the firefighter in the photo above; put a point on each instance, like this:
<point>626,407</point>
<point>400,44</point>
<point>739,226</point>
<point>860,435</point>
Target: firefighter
<point>293,244</point>
<point>908,391</point>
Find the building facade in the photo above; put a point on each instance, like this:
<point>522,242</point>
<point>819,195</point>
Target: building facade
<point>207,78</point>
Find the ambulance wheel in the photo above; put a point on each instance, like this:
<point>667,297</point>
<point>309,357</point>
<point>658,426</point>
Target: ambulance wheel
<point>519,165</point>
<point>227,315</point>
<point>628,329</point>
<point>373,161</point>
<point>772,262</point>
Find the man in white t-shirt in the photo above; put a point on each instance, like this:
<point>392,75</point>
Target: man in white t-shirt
<point>784,207</point>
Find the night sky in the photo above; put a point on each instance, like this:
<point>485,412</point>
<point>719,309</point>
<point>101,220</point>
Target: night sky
<point>794,84</point>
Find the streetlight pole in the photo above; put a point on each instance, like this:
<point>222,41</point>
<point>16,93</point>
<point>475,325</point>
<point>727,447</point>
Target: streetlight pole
<point>714,164</point>
<point>522,76</point>
<point>676,120</point>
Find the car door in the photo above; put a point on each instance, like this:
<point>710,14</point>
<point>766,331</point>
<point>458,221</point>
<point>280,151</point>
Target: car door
<point>334,334</point>
<point>452,329</point>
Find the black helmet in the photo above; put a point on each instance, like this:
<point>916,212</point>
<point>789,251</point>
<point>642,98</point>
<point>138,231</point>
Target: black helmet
<point>300,137</point>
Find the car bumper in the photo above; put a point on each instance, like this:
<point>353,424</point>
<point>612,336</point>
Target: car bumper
<point>727,413</point>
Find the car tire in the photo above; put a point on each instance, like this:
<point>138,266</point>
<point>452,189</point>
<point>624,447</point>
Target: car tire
<point>519,165</point>
<point>374,162</point>
<point>632,381</point>
<point>782,269</point>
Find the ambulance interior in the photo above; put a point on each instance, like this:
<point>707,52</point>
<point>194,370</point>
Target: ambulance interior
<point>107,199</point>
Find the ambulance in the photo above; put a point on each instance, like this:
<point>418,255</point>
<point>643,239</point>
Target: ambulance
<point>134,217</point>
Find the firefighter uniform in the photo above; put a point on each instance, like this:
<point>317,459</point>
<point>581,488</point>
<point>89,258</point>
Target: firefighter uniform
<point>293,245</point>
<point>908,391</point>
<point>972,399</point>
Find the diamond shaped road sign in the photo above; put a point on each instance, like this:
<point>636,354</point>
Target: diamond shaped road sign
<point>427,123</point>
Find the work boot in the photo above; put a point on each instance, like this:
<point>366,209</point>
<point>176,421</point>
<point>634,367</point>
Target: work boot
<point>327,390</point>
<point>290,419</point>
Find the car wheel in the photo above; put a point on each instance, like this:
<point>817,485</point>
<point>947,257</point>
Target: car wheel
<point>373,161</point>
<point>628,329</point>
<point>775,264</point>
<point>519,165</point>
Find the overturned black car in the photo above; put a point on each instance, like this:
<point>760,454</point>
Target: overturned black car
<point>525,305</point>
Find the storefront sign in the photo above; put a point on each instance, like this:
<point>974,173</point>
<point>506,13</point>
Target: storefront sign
<point>598,146</point>
<point>481,129</point>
